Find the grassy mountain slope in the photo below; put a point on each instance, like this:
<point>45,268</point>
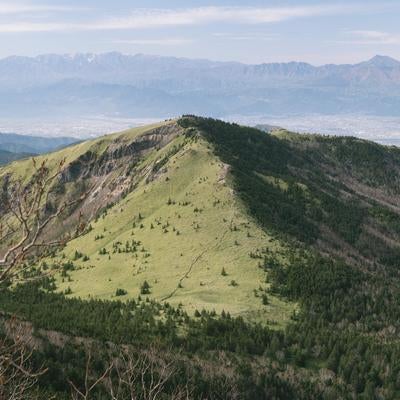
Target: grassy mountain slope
<point>172,221</point>
<point>197,208</point>
<point>295,222</point>
<point>339,195</point>
<point>190,227</point>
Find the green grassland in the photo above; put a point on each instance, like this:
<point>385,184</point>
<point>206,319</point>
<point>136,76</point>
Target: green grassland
<point>187,226</point>
<point>196,208</point>
<point>206,213</point>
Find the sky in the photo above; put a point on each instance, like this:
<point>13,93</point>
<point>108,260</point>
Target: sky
<point>251,31</point>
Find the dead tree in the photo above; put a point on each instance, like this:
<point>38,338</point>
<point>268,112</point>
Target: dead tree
<point>141,376</point>
<point>90,383</point>
<point>131,376</point>
<point>17,377</point>
<point>25,212</point>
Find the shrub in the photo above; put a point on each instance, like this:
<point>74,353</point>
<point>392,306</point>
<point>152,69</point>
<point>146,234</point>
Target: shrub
<point>145,288</point>
<point>121,292</point>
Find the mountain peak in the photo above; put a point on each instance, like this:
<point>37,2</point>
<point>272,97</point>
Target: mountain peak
<point>383,61</point>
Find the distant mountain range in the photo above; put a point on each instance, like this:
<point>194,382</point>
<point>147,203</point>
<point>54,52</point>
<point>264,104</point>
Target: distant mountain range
<point>152,86</point>
<point>8,156</point>
<point>14,147</point>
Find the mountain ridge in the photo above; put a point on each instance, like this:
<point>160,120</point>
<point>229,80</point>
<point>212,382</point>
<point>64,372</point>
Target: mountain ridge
<point>89,58</point>
<point>80,65</point>
<point>201,182</point>
<point>175,86</point>
<point>277,251</point>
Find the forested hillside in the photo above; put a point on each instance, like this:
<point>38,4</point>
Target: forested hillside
<point>262,265</point>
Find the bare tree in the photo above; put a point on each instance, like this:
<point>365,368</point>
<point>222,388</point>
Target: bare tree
<point>17,377</point>
<point>141,376</point>
<point>90,383</point>
<point>132,376</point>
<point>26,211</point>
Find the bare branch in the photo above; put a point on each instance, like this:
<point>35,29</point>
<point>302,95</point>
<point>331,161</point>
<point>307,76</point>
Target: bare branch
<point>90,383</point>
<point>143,376</point>
<point>26,217</point>
<point>17,377</point>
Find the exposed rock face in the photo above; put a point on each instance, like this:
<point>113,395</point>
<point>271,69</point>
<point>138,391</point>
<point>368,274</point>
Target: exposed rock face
<point>119,153</point>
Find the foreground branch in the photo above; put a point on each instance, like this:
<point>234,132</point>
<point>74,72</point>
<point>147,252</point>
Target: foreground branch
<point>27,211</point>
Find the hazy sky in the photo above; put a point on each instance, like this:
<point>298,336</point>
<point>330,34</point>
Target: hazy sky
<point>252,31</point>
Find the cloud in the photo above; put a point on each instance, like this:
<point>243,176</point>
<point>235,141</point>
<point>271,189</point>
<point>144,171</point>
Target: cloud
<point>371,37</point>
<point>247,36</point>
<point>155,42</point>
<point>205,15</point>
<point>14,8</point>
<point>377,35</point>
<point>25,27</point>
<point>150,18</point>
<point>153,18</point>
